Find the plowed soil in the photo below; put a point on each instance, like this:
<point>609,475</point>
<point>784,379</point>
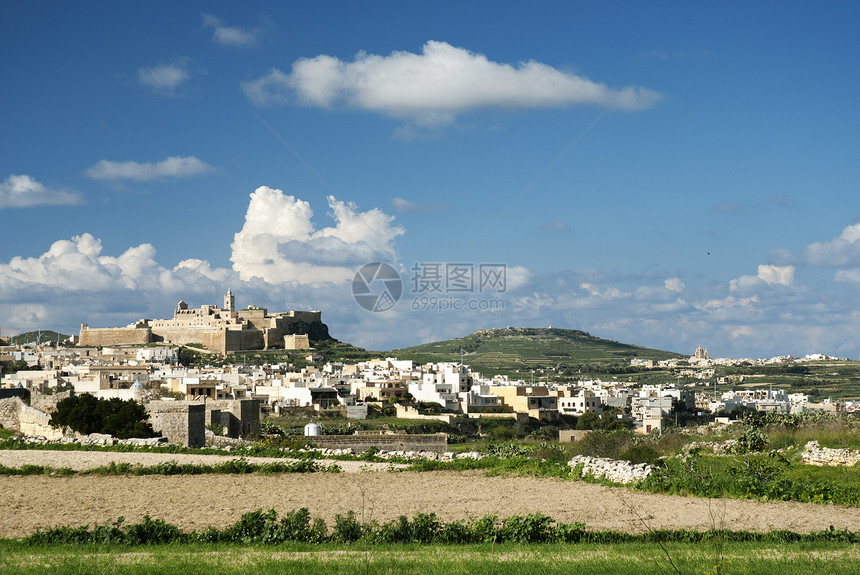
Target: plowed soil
<point>372,491</point>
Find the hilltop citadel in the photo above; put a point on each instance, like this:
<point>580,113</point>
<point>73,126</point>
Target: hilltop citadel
<point>217,329</point>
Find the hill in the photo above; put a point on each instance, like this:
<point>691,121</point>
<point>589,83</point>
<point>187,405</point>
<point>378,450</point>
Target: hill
<point>521,349</point>
<point>31,336</point>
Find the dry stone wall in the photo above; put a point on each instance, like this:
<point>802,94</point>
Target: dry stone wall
<point>814,455</point>
<point>435,442</point>
<point>612,469</point>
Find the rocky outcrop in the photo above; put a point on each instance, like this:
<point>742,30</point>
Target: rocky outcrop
<point>812,454</point>
<point>611,469</point>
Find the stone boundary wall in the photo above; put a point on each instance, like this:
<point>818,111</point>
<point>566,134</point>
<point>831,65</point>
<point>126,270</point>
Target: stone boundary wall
<point>407,412</point>
<point>435,442</point>
<point>107,336</point>
<point>814,455</point>
<point>615,470</point>
<point>48,403</point>
<point>16,415</point>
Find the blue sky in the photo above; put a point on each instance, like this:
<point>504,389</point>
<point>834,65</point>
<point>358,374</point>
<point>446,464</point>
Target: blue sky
<point>665,174</point>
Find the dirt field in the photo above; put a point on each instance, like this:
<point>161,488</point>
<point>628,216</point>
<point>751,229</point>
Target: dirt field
<point>194,502</point>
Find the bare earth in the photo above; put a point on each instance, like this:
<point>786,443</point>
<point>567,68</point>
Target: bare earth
<point>195,502</point>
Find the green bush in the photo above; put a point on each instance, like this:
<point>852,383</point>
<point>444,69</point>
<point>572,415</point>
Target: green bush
<point>87,414</point>
<point>600,443</point>
<point>641,454</point>
<point>263,527</point>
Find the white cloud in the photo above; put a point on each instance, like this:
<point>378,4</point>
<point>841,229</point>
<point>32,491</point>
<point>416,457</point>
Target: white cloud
<point>776,275</point>
<point>407,207</point>
<point>279,243</point>
<point>228,35</point>
<point>674,284</point>
<point>77,264</point>
<point>767,274</point>
<point>172,167</point>
<point>840,251</point>
<point>432,87</point>
<point>851,276</point>
<point>23,191</point>
<point>608,293</point>
<point>164,78</point>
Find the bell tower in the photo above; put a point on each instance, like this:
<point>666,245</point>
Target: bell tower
<point>229,301</point>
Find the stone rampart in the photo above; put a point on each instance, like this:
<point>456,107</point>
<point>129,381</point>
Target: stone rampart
<point>435,442</point>
<point>238,340</point>
<point>107,336</point>
<point>210,338</point>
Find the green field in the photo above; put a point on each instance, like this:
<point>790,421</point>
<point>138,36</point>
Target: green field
<point>610,559</point>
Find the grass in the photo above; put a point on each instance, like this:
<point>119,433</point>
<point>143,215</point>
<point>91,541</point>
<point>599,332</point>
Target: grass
<point>234,466</point>
<point>609,559</point>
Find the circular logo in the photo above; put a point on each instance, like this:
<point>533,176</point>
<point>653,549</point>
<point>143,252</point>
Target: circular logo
<point>377,287</point>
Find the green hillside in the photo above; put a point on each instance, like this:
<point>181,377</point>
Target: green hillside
<point>519,350</point>
<point>31,336</point>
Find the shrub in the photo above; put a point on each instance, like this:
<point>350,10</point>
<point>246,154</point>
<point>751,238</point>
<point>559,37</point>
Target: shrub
<point>641,454</point>
<point>599,443</point>
<point>346,529</point>
<point>87,414</point>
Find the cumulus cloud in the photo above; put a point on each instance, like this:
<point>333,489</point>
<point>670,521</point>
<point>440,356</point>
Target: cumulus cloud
<point>23,191</point>
<point>77,264</point>
<point>776,275</point>
<point>407,207</point>
<point>228,35</point>
<point>279,242</point>
<point>840,251</point>
<point>432,87</point>
<point>164,78</point>
<point>767,275</point>
<point>172,167</point>
<point>674,284</point>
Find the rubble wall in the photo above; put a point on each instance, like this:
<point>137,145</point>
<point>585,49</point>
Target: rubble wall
<point>436,442</point>
<point>181,422</point>
<point>16,415</point>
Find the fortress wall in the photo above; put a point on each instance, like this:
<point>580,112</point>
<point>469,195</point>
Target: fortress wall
<point>237,340</point>
<point>211,339</point>
<point>306,316</point>
<point>107,336</point>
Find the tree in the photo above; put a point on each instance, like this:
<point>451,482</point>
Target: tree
<point>588,420</point>
<point>87,414</point>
